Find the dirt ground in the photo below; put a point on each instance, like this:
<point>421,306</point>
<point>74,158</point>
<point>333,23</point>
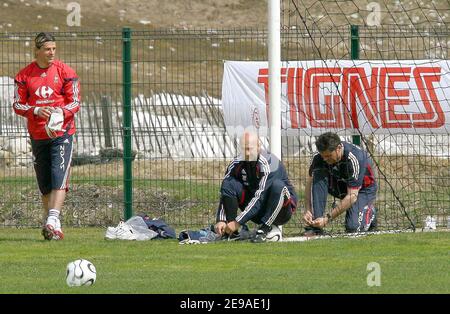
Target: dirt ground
<point>51,15</point>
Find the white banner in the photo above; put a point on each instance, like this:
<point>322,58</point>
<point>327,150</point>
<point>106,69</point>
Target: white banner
<point>381,97</point>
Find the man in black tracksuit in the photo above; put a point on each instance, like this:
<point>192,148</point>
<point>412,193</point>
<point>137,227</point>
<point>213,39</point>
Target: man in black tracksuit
<point>346,172</point>
<point>256,183</point>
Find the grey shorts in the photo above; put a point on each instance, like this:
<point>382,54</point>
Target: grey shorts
<point>52,160</point>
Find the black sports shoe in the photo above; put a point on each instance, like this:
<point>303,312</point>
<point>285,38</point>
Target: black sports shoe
<point>235,236</point>
<point>311,232</point>
<point>243,234</point>
<point>260,237</point>
<point>261,234</point>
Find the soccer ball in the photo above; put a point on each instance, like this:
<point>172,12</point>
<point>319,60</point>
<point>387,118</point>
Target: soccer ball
<point>80,273</point>
<point>275,234</point>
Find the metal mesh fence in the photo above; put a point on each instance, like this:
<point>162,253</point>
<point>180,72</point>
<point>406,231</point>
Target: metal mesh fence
<point>95,196</point>
<point>180,147</point>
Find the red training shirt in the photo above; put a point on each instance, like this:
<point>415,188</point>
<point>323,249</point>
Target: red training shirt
<point>55,86</point>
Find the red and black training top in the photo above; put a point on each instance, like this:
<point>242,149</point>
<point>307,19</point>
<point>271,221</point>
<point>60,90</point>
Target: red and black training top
<point>55,86</point>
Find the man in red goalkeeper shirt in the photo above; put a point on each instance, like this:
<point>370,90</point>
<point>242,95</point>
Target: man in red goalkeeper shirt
<point>47,94</point>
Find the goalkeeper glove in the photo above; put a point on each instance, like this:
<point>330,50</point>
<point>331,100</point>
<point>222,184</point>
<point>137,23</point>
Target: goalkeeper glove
<point>55,123</point>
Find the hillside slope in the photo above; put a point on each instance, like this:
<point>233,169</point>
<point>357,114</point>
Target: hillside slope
<point>51,15</point>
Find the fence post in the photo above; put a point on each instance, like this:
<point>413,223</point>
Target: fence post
<point>354,44</point>
<point>106,119</point>
<point>1,122</point>
<point>127,159</point>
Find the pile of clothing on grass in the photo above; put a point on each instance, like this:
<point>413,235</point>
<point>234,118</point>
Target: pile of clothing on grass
<point>141,228</point>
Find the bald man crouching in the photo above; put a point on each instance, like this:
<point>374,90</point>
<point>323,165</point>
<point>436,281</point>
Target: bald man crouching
<point>256,182</point>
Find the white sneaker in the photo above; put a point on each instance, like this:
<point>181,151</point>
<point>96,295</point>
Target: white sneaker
<point>274,235</point>
<point>125,232</point>
<point>111,232</point>
<point>58,225</point>
<point>53,221</point>
<point>121,232</point>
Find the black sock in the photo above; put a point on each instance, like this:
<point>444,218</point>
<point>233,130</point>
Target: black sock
<point>265,228</point>
<point>230,205</point>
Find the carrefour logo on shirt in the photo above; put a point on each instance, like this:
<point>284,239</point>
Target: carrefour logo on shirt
<point>44,92</point>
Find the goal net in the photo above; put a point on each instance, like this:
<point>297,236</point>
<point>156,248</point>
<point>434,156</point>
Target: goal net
<point>377,72</point>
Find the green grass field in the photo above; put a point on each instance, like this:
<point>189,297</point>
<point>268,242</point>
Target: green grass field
<point>410,263</point>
